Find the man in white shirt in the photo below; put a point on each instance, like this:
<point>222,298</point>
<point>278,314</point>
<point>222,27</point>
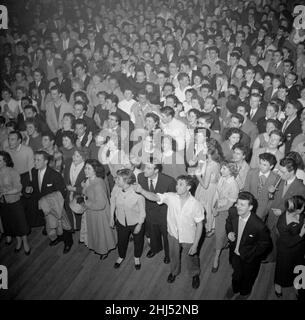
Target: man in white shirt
<point>173,127</point>
<point>185,217</point>
<point>127,103</point>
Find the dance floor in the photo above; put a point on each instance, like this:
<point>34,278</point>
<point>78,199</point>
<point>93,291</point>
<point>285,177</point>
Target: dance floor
<point>80,274</point>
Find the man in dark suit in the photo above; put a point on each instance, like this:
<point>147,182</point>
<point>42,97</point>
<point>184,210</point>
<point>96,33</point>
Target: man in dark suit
<point>80,109</point>
<point>46,181</point>
<point>256,110</point>
<point>289,186</point>
<point>156,215</point>
<point>248,126</point>
<point>39,83</point>
<point>292,125</point>
<point>65,41</point>
<point>250,242</point>
<point>293,89</point>
<point>258,181</point>
<point>84,137</point>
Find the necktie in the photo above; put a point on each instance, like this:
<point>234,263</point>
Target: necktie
<point>285,188</point>
<point>151,186</point>
<point>286,124</point>
<point>262,181</point>
<point>251,114</point>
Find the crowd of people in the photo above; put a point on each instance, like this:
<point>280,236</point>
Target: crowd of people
<point>160,121</point>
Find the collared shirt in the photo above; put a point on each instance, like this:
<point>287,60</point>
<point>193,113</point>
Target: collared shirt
<point>287,184</point>
<point>181,221</point>
<point>264,174</point>
<point>81,138</point>
<point>154,181</point>
<point>74,172</point>
<point>129,206</point>
<point>241,226</point>
<point>41,174</point>
<point>253,112</point>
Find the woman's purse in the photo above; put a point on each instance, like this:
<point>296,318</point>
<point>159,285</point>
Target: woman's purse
<point>77,204</point>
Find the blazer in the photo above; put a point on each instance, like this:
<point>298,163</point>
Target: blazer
<point>80,178</point>
<point>268,96</point>
<point>59,45</point>
<point>65,87</point>
<point>252,184</point>
<point>276,70</point>
<point>255,243</point>
<point>52,121</point>
<point>294,93</point>
<point>42,86</point>
<point>296,188</point>
<point>52,182</point>
<point>293,129</point>
<point>251,130</point>
<point>157,214</point>
<point>254,84</point>
<point>260,113</point>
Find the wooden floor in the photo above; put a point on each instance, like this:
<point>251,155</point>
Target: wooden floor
<point>80,274</point>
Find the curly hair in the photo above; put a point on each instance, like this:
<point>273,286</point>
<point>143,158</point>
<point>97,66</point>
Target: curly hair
<point>7,159</point>
<point>97,167</point>
<point>215,150</point>
<point>232,166</point>
<point>232,131</point>
<point>127,175</point>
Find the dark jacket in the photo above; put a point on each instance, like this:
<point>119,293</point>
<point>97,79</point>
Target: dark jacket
<point>157,214</point>
<point>255,243</point>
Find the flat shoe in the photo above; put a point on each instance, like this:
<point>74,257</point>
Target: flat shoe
<point>27,253</point>
<point>117,265</point>
<point>171,278</point>
<point>137,266</point>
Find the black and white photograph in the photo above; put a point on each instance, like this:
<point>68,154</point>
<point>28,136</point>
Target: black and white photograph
<point>152,151</point>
